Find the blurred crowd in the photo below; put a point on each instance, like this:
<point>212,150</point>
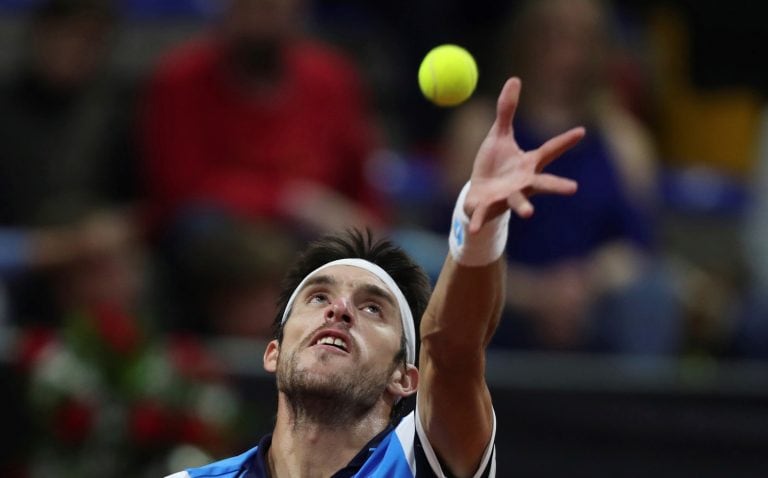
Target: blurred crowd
<point>162,162</point>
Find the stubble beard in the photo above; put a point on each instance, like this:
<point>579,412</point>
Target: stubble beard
<point>337,399</point>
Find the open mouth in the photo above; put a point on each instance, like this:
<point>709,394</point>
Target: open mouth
<point>336,342</point>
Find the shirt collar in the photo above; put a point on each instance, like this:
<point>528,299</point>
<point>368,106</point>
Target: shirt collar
<point>259,467</point>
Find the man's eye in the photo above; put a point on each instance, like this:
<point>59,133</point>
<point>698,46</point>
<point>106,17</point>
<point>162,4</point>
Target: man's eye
<point>318,299</point>
<point>372,309</point>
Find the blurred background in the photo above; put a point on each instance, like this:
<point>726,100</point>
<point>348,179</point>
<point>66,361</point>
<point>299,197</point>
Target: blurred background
<point>161,163</point>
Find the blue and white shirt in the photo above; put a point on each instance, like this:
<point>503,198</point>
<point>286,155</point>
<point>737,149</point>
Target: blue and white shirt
<point>400,452</point>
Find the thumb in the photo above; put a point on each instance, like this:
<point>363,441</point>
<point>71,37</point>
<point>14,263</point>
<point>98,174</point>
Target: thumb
<point>477,218</point>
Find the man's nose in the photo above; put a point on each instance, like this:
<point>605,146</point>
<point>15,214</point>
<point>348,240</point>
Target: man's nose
<point>340,309</point>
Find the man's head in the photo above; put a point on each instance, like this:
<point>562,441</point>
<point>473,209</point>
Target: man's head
<point>255,31</point>
<point>343,340</point>
<point>559,48</point>
<point>70,40</point>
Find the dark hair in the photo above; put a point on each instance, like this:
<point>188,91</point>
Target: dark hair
<point>408,275</point>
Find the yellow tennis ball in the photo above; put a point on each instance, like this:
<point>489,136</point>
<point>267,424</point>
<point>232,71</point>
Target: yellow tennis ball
<point>448,75</point>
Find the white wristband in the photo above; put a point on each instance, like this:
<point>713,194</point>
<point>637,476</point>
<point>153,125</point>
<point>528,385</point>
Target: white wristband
<point>481,248</point>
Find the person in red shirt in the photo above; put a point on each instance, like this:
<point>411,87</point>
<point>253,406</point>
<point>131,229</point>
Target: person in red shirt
<point>250,123</point>
<point>255,120</point>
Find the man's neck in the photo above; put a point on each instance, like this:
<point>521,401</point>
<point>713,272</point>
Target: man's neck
<point>308,449</point>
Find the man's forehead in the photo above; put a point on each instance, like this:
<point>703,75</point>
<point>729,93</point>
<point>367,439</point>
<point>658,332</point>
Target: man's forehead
<point>354,278</point>
<point>348,273</point>
<point>345,275</point>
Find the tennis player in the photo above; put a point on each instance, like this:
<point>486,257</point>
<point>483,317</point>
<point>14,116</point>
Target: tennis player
<point>345,350</point>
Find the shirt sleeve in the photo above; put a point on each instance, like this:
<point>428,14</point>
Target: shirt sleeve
<point>428,465</point>
<point>14,250</point>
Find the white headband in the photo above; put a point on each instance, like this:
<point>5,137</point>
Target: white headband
<point>405,310</point>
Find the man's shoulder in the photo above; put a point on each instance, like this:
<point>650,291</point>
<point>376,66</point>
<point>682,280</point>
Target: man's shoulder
<point>189,61</point>
<point>228,467</point>
<point>407,423</point>
<point>321,62</point>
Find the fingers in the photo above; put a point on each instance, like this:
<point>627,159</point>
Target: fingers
<point>551,184</point>
<point>486,212</point>
<point>506,106</point>
<point>556,146</point>
<point>520,205</point>
<point>478,218</point>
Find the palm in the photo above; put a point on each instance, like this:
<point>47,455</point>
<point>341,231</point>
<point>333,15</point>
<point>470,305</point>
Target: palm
<point>504,176</point>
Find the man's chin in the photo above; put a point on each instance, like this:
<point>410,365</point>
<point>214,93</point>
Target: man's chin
<point>326,365</point>
<point>320,381</point>
<point>324,353</point>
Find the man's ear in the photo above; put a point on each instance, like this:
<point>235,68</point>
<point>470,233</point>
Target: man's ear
<point>270,356</point>
<point>404,381</point>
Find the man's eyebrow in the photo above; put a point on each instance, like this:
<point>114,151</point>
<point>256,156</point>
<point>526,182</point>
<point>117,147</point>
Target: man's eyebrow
<point>319,280</point>
<point>371,289</point>
<point>380,292</point>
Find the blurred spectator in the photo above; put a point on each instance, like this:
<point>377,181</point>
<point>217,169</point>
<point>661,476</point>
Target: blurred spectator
<point>234,276</point>
<point>43,250</point>
<point>108,395</point>
<point>64,139</point>
<point>758,226</point>
<point>253,121</point>
<point>707,117</point>
<point>54,246</point>
<point>706,122</point>
<point>64,134</point>
<point>23,249</point>
<point>257,121</point>
<point>751,327</point>
<point>582,271</point>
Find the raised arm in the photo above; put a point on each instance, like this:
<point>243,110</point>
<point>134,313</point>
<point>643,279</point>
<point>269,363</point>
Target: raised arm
<point>454,402</point>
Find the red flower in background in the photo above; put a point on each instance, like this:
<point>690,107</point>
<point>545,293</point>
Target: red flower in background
<point>32,344</point>
<point>72,421</point>
<point>192,360</point>
<point>150,423</point>
<point>176,373</point>
<point>119,329</point>
<point>193,430</point>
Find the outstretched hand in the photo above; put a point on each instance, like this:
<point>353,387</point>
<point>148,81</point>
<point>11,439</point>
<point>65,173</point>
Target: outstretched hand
<point>504,176</point>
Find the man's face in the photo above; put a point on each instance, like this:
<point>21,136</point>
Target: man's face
<point>259,21</point>
<point>254,32</point>
<point>69,51</point>
<point>567,47</point>
<point>341,338</point>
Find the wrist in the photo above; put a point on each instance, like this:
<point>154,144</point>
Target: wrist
<point>483,247</point>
